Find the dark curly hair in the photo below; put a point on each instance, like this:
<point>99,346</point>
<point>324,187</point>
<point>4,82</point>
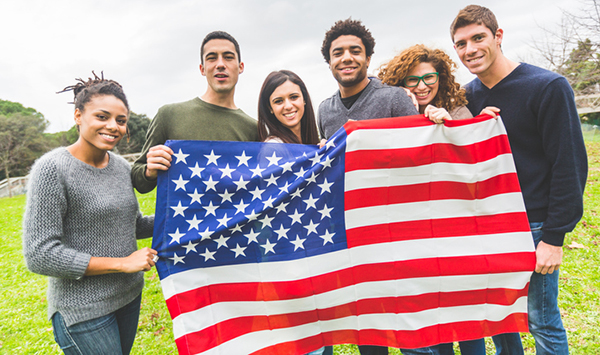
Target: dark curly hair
<point>449,95</point>
<point>344,28</point>
<point>269,125</point>
<point>85,90</point>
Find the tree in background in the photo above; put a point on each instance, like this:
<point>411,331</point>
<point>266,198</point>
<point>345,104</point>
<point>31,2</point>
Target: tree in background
<point>21,142</point>
<point>137,125</point>
<point>572,49</point>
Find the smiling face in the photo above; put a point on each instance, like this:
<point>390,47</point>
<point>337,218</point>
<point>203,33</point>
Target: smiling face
<point>221,65</point>
<point>287,104</point>
<point>349,61</point>
<point>478,48</point>
<point>102,123</point>
<point>424,93</point>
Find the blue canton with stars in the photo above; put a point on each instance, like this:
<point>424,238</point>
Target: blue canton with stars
<point>224,203</point>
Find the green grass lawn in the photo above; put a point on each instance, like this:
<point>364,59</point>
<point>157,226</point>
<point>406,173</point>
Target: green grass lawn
<point>24,328</point>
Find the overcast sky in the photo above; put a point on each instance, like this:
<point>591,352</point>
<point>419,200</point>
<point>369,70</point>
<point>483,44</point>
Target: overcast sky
<point>152,47</point>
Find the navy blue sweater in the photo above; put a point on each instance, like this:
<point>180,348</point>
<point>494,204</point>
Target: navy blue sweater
<point>538,109</point>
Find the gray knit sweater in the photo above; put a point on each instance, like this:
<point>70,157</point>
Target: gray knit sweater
<point>377,100</point>
<point>75,211</point>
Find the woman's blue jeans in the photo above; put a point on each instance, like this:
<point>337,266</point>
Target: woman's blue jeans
<point>110,334</point>
<point>545,323</point>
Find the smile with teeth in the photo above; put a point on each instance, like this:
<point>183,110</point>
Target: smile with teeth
<point>108,137</point>
<point>422,95</point>
<point>290,115</point>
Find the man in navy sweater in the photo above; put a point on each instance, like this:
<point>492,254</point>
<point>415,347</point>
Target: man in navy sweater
<point>538,109</point>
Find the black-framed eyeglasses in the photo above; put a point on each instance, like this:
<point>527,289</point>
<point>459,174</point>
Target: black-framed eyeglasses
<point>428,79</point>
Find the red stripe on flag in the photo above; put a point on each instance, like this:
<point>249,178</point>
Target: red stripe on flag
<point>222,332</point>
<point>430,191</point>
<point>427,154</point>
<point>438,228</point>
<point>437,334</point>
<point>283,290</point>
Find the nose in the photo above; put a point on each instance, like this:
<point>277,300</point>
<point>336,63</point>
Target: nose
<point>346,56</point>
<point>111,124</point>
<point>287,104</point>
<point>422,85</point>
<point>220,62</point>
<point>471,48</point>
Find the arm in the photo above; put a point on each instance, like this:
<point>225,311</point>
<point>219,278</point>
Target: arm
<point>156,136</point>
<point>46,208</point>
<point>563,145</point>
<point>140,260</point>
<point>564,148</point>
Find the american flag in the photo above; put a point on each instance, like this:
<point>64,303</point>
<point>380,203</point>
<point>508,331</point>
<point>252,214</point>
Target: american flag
<point>399,232</point>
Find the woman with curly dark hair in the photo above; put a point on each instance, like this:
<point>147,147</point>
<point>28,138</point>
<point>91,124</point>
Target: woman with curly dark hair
<point>428,74</point>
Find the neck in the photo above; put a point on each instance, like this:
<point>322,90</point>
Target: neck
<point>219,99</point>
<point>88,154</point>
<point>499,70</point>
<point>354,89</point>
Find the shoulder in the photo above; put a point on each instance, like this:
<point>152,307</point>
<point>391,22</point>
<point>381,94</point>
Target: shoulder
<point>119,161</point>
<point>330,105</point>
<point>273,139</point>
<point>53,159</point>
<point>460,112</point>
<point>175,108</point>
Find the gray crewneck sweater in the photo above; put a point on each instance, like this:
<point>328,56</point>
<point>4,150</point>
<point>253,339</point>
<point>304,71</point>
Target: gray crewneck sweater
<point>377,100</point>
<point>75,211</point>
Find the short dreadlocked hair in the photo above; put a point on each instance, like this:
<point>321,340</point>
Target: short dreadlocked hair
<point>345,28</point>
<point>84,91</point>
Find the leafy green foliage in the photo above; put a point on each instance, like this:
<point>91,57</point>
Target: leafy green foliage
<point>8,108</point>
<point>21,142</point>
<point>582,68</point>
<point>137,125</point>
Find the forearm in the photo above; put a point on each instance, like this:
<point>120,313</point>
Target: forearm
<point>140,260</point>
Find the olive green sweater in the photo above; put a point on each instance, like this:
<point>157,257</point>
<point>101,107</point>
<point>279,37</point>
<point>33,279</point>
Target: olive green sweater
<point>192,120</point>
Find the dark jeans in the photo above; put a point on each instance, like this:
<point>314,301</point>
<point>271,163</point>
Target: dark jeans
<point>111,334</point>
<point>545,323</point>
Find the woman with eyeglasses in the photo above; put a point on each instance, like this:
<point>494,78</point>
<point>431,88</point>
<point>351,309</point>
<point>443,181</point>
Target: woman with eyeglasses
<point>427,73</point>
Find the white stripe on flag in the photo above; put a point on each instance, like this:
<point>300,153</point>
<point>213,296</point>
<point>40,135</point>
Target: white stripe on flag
<point>416,211</point>
<point>466,173</point>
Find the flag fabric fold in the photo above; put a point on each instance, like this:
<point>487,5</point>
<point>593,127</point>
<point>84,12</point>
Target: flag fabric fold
<point>399,232</point>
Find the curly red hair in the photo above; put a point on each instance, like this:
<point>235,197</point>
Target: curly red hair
<point>449,96</point>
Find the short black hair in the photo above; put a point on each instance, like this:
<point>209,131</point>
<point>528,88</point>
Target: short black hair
<point>348,27</point>
<point>219,35</point>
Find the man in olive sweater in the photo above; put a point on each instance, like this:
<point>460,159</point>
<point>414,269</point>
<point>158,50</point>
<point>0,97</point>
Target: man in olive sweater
<point>213,116</point>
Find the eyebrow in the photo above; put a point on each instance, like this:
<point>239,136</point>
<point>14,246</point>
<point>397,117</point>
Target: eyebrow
<point>351,47</point>
<point>217,53</point>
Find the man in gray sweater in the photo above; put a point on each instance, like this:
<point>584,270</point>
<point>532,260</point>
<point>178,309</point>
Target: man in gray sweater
<point>347,48</point>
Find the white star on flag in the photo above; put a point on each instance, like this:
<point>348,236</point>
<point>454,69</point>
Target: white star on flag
<point>196,171</point>
<point>181,157</point>
<point>212,158</point>
<point>180,183</point>
<point>176,236</point>
<point>179,209</point>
